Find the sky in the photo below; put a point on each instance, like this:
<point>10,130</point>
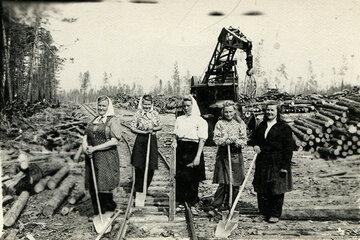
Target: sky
<point>136,42</point>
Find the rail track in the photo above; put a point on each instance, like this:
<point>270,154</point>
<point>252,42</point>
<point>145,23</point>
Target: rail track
<point>159,202</point>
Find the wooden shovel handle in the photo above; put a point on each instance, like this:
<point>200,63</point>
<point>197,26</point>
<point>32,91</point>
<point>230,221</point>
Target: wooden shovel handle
<point>230,176</point>
<point>242,187</point>
<point>147,164</point>
<point>95,186</point>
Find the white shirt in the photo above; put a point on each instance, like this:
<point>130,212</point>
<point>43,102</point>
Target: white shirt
<point>269,126</point>
<point>191,128</point>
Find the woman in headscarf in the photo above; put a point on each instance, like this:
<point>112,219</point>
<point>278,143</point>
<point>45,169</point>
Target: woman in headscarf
<point>273,142</point>
<point>100,144</point>
<point>146,122</point>
<point>230,130</point>
<point>191,132</point>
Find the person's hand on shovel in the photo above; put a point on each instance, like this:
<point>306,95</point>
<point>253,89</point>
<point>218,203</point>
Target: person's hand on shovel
<point>89,150</point>
<point>174,144</point>
<point>257,149</point>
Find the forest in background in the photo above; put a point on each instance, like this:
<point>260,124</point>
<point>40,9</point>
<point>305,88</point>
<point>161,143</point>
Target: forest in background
<point>30,60</point>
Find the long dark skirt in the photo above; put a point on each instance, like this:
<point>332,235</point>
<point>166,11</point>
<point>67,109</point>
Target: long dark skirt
<point>138,156</point>
<point>188,178</point>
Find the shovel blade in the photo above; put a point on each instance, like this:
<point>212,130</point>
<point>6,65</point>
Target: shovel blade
<point>140,199</point>
<point>224,228</point>
<point>101,225</point>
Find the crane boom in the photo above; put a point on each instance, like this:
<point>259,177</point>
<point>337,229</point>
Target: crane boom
<point>222,66</point>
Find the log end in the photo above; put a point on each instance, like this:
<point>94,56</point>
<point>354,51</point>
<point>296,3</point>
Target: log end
<point>51,185</point>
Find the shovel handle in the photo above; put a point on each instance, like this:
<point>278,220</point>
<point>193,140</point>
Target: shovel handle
<point>230,176</point>
<point>147,164</point>
<point>242,188</point>
<point>95,186</point>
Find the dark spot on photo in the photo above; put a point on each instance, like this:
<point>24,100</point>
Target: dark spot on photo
<point>144,1</point>
<point>216,13</point>
<point>253,13</point>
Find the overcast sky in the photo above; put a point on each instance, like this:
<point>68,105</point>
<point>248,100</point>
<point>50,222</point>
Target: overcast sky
<point>135,42</point>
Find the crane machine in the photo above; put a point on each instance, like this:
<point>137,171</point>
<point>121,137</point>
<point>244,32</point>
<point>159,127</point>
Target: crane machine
<point>220,81</point>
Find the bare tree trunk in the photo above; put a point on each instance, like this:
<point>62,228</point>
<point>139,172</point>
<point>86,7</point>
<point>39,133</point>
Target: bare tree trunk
<point>32,60</point>
<point>5,73</point>
<point>7,67</point>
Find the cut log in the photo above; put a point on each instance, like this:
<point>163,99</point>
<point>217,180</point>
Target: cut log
<point>303,129</point>
<point>320,122</point>
<point>336,141</point>
<point>326,114</point>
<point>352,129</point>
<point>54,180</point>
<point>343,153</point>
<point>40,186</point>
<point>339,131</point>
<point>59,196</point>
<point>324,117</point>
<point>300,134</point>
<point>78,153</point>
<point>66,210</point>
<point>77,194</point>
<point>328,130</point>
<point>316,128</point>
<point>330,106</point>
<point>43,169</point>
<point>12,215</point>
<point>339,113</point>
<point>339,124</point>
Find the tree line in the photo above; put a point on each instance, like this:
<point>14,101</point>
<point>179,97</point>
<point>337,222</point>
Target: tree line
<point>175,86</point>
<point>30,60</point>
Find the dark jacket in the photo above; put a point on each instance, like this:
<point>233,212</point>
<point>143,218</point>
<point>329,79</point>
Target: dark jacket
<point>276,153</point>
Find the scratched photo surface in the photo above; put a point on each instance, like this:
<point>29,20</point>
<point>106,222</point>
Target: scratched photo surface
<point>59,57</point>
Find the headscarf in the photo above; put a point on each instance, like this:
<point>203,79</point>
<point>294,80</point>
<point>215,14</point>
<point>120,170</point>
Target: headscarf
<point>195,111</point>
<point>140,105</point>
<point>109,112</point>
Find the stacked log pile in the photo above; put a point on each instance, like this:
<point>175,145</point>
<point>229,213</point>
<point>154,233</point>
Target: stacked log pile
<point>162,103</point>
<point>333,131</point>
<point>59,129</point>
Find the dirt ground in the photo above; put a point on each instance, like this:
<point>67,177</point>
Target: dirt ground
<point>309,202</point>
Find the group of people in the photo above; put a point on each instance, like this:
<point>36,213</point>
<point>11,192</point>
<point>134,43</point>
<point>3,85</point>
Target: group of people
<point>272,142</point>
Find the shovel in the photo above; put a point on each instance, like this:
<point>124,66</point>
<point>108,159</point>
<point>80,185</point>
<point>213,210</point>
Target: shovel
<point>141,196</point>
<point>230,176</point>
<point>99,224</point>
<point>228,223</point>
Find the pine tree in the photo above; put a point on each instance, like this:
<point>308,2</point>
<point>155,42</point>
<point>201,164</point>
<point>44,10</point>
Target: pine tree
<point>84,83</point>
<point>176,79</point>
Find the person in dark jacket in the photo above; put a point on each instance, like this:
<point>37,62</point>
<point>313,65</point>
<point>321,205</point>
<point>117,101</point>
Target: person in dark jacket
<point>273,142</point>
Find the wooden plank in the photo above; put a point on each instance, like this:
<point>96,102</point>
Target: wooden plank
<point>172,197</point>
